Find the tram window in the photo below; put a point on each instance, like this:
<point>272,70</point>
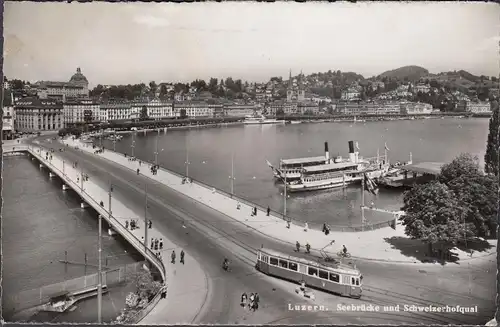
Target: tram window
<point>293,266</point>
<point>352,281</point>
<point>334,278</point>
<point>323,274</point>
<point>357,281</point>
<point>312,271</point>
<point>283,264</point>
<point>273,261</point>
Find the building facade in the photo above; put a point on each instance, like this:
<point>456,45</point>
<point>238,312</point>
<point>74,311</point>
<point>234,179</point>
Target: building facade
<point>34,114</point>
<point>76,88</point>
<point>193,109</point>
<point>477,107</point>
<point>305,108</point>
<point>8,116</point>
<point>239,110</point>
<point>81,111</point>
<point>113,111</point>
<point>415,108</point>
<point>368,108</point>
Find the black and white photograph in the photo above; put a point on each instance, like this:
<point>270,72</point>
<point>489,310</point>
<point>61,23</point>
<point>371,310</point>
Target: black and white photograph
<point>250,163</point>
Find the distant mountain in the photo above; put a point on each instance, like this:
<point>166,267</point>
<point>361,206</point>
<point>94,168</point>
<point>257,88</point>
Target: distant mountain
<point>412,73</point>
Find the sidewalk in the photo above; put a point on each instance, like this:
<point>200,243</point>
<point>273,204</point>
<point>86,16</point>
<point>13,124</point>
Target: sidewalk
<point>384,244</point>
<point>186,284</point>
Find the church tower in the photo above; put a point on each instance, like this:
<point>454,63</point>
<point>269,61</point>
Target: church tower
<point>301,93</point>
<point>289,91</point>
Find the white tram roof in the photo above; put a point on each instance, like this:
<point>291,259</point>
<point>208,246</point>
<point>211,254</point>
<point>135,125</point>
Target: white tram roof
<point>335,267</point>
<point>334,165</point>
<point>303,160</point>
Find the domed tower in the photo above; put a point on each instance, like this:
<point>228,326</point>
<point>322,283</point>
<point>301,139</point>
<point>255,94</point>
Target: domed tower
<point>79,79</point>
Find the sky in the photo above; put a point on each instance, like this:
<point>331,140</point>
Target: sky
<point>122,43</point>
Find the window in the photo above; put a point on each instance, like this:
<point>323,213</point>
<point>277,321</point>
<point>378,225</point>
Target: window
<point>312,271</point>
<point>293,266</point>
<point>273,261</point>
<point>357,281</point>
<point>334,278</point>
<point>353,281</point>
<point>283,264</point>
<point>323,274</point>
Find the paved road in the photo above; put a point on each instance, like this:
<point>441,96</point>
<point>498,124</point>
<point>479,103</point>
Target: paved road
<point>210,236</point>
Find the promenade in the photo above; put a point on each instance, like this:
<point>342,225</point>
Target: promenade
<point>385,244</point>
<point>186,288</point>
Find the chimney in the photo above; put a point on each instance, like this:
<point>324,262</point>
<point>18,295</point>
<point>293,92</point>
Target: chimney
<point>352,154</point>
<point>327,154</point>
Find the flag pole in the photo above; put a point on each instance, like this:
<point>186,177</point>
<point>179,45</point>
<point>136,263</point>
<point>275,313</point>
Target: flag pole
<point>363,202</point>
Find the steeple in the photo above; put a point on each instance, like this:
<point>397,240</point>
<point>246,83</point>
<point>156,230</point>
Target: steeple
<point>290,78</point>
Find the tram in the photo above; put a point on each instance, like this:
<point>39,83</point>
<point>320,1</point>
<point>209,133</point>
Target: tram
<point>336,278</point>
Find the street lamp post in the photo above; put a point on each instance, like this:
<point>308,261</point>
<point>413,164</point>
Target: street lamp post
<point>133,145</point>
<point>232,174</point>
<point>187,160</point>
<point>99,278</point>
<point>156,153</point>
<point>145,218</point>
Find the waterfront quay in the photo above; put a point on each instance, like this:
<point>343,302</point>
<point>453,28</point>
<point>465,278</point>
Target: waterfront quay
<point>209,235</point>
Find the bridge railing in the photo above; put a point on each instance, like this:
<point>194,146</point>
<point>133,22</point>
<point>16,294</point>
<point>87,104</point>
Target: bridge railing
<point>312,225</point>
<point>115,223</point>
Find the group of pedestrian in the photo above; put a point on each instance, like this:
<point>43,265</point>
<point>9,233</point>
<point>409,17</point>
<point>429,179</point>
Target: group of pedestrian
<point>154,169</point>
<point>186,180</point>
<point>254,211</point>
<point>252,301</point>
<point>75,164</point>
<point>131,158</point>
<point>172,257</point>
<point>156,244</point>
<point>297,247</point>
<point>133,224</point>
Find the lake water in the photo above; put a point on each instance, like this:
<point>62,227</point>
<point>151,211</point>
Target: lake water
<point>210,151</point>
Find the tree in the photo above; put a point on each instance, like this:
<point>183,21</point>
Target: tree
<point>163,90</point>
<point>153,87</point>
<point>212,85</point>
<point>144,113</point>
<point>477,193</point>
<point>491,157</point>
<point>144,284</point>
<point>16,84</point>
<point>183,114</point>
<point>433,215</point>
<point>280,112</point>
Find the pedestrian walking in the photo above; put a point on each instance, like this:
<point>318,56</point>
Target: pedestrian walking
<point>251,303</point>
<point>150,224</point>
<point>161,244</point>
<point>268,210</point>
<point>142,239</point>
<point>126,224</point>
<point>173,257</point>
<point>243,299</point>
<point>255,211</point>
<point>182,256</point>
<point>156,244</point>
<point>152,243</point>
<point>297,246</point>
<point>238,205</point>
<point>257,300</point>
<point>138,171</point>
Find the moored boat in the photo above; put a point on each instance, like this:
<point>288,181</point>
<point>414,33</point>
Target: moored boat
<point>260,119</point>
<point>339,173</point>
<point>290,169</point>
